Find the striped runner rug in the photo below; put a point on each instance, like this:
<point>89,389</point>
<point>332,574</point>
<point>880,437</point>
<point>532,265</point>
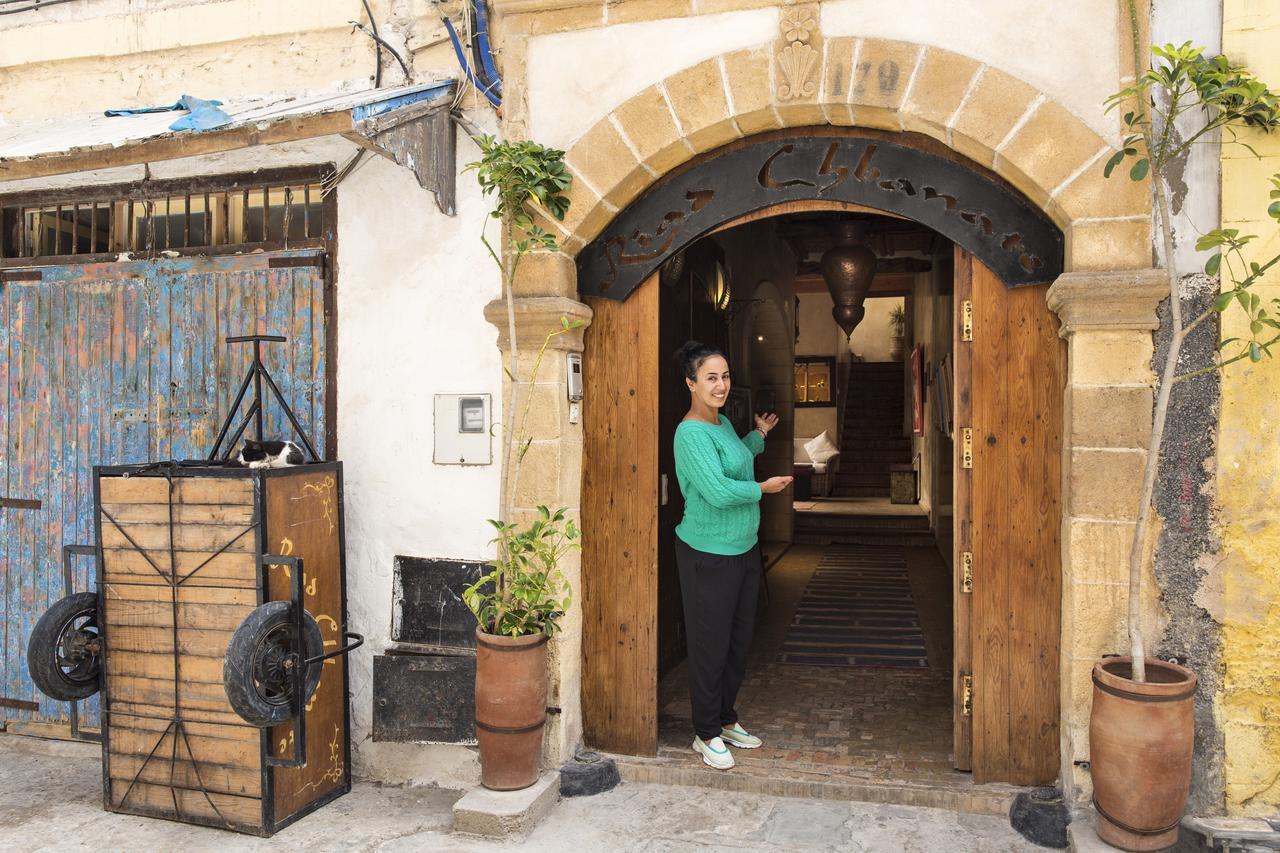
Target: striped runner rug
<point>857,611</point>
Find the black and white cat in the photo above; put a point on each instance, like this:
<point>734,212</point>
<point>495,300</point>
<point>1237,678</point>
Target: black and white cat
<point>269,454</point>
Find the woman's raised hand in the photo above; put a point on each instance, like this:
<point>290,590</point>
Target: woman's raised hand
<point>774,485</point>
<point>766,422</point>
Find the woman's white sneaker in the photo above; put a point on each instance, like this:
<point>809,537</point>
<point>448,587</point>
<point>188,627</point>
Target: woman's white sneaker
<point>736,735</point>
<point>714,753</point>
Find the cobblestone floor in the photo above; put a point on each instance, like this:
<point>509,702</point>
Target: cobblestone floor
<point>881,722</point>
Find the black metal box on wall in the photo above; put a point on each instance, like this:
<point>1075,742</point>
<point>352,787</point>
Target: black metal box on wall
<point>424,687</point>
<point>424,698</point>
<point>426,605</point>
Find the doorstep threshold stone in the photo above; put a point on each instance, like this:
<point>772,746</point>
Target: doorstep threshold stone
<point>960,796</point>
<point>506,814</point>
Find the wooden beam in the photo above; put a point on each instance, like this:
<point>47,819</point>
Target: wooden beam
<point>175,146</point>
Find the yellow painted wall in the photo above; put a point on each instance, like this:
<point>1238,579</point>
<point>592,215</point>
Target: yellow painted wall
<point>1247,593</point>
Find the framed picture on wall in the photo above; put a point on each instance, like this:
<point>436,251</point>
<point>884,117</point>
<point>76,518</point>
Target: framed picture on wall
<point>917,390</point>
<point>815,376</point>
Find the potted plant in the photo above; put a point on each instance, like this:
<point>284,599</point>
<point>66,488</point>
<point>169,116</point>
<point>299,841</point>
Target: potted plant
<point>519,604</point>
<point>1141,724</point>
<point>897,332</point>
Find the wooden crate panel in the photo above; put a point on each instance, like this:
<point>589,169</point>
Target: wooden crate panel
<point>303,518</point>
<point>159,614</point>
<point>158,800</point>
<point>208,739</point>
<point>158,513</point>
<point>187,594</point>
<point>214,490</point>
<point>131,638</point>
<point>188,490</point>
<point>132,490</point>
<point>134,710</point>
<point>160,769</point>
<point>231,568</point>
<point>159,664</point>
<point>159,693</point>
<point>154,538</point>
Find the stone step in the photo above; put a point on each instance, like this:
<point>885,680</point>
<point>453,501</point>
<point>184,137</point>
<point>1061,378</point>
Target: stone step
<point>814,781</point>
<point>809,520</point>
<point>906,539</point>
<point>860,492</point>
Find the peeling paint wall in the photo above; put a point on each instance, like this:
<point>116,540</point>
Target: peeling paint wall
<point>406,273</point>
<point>1246,583</point>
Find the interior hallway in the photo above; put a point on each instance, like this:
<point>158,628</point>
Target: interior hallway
<point>874,722</point>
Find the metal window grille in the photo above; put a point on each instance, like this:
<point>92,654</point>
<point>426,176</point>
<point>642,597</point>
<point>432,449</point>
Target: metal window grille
<point>146,224</point>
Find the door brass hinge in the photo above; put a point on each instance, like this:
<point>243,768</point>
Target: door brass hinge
<point>966,571</point>
<point>966,697</point>
<point>966,448</point>
<point>966,320</point>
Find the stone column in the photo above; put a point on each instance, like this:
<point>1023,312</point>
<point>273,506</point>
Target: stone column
<point>1107,319</point>
<point>546,288</point>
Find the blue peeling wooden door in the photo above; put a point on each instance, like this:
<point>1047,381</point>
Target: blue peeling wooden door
<point>125,363</point>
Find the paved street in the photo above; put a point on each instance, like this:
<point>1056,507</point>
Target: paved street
<point>50,800</point>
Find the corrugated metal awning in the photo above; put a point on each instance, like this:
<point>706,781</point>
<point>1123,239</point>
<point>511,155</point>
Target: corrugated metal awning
<point>379,119</point>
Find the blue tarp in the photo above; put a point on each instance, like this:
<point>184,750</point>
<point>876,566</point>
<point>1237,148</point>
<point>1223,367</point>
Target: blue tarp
<point>201,114</point>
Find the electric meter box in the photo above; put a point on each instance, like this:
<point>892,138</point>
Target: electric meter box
<point>463,429</point>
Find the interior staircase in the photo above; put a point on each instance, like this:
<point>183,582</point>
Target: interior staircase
<point>872,438</point>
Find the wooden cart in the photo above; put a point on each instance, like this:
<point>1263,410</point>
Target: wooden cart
<point>187,557</point>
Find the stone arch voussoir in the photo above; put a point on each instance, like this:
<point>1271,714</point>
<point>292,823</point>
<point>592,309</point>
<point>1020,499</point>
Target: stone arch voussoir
<point>977,110</point>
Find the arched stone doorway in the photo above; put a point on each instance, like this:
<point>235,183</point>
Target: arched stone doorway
<point>1005,634</point>
<point>961,107</point>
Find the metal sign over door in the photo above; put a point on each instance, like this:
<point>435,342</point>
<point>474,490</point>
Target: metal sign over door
<point>118,363</point>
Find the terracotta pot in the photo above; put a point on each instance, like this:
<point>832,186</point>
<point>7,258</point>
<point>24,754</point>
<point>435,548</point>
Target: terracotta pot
<point>511,708</point>
<point>897,347</point>
<point>1140,741</point>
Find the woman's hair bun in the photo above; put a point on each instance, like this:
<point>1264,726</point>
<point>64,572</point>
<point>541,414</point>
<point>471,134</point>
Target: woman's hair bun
<point>691,356</point>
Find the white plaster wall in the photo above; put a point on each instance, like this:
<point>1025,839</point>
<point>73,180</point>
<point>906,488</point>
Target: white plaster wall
<point>412,285</point>
<point>871,337</point>
<point>1194,188</point>
<point>575,78</point>
<point>1069,51</point>
<point>819,334</point>
<point>1066,50</point>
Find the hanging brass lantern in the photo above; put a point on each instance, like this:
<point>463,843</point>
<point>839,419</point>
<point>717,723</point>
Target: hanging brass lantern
<point>848,268</point>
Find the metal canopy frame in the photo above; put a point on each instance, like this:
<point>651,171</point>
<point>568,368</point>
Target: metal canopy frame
<point>980,213</point>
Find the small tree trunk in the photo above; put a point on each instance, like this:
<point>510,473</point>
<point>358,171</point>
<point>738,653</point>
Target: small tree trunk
<point>1151,468</point>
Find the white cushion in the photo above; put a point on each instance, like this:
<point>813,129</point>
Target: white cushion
<point>821,449</point>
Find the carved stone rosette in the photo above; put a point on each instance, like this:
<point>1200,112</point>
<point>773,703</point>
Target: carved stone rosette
<point>798,53</point>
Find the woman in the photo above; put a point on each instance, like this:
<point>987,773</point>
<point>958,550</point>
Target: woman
<point>716,549</point>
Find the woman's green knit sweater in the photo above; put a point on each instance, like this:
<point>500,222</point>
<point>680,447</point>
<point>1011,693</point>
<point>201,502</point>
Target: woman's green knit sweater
<point>716,471</point>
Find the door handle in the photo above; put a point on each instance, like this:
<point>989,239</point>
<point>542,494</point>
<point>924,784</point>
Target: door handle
<point>662,490</point>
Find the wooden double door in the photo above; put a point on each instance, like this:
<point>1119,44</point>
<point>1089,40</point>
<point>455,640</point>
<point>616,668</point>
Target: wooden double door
<point>1009,380</point>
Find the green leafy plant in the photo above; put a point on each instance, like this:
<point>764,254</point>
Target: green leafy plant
<point>525,593</point>
<point>897,320</point>
<point>534,592</point>
<point>1183,99</point>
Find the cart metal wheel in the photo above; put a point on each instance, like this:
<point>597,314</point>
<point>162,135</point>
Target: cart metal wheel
<point>64,653</point>
<point>261,660</point>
